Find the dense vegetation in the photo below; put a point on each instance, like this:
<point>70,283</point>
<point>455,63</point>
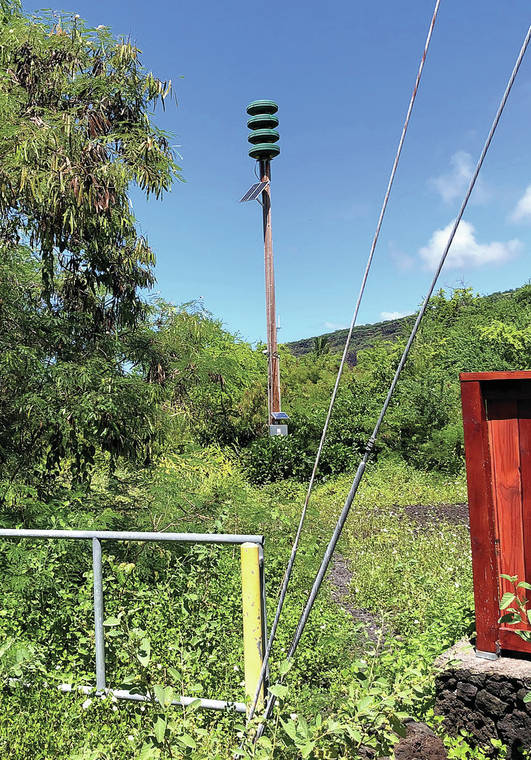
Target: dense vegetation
<point>120,411</point>
<point>75,134</point>
<point>174,617</point>
<point>462,332</point>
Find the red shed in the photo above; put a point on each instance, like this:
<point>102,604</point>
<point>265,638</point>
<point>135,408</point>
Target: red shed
<point>497,425</point>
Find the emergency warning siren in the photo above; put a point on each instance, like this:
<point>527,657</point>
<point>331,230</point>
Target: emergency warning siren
<point>263,138</point>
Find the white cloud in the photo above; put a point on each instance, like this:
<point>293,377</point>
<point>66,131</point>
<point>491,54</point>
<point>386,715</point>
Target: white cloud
<point>385,315</point>
<point>523,207</point>
<point>465,250</point>
<point>452,185</point>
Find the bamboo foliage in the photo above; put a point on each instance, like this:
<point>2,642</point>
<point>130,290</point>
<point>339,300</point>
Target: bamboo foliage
<point>75,134</point>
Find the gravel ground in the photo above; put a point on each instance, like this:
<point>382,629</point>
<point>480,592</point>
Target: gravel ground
<point>455,514</point>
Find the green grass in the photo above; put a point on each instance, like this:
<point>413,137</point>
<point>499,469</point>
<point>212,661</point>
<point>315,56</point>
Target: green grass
<point>187,602</point>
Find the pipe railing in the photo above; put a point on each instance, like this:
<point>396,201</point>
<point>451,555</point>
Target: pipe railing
<point>96,537</point>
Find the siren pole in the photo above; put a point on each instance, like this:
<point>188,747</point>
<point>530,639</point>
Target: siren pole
<point>263,138</point>
<point>273,385</point>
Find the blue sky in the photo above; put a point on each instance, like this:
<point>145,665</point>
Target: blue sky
<point>342,74</point>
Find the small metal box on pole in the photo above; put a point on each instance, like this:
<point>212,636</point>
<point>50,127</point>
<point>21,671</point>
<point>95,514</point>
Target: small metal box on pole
<point>263,138</point>
<point>280,424</point>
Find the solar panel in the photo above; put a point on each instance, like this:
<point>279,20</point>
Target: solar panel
<point>254,191</point>
<point>279,416</point>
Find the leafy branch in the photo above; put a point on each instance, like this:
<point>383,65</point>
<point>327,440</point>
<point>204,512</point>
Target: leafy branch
<point>515,606</point>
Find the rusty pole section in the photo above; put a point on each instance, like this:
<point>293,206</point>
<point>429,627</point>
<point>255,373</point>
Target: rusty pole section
<point>273,383</point>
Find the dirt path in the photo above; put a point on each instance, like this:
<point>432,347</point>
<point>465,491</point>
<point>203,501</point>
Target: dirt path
<point>424,516</point>
<point>339,579</point>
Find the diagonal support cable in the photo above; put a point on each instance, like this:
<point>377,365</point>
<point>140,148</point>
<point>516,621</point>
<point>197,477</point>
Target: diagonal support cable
<point>287,574</point>
<point>370,444</point>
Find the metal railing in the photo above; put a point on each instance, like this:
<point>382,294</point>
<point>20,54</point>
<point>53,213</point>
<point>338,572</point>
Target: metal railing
<point>97,536</point>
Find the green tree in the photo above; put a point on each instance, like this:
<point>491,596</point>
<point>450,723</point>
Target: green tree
<point>321,346</point>
<point>214,383</point>
<point>76,134</point>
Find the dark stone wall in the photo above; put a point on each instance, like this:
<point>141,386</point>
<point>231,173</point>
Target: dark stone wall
<point>485,698</point>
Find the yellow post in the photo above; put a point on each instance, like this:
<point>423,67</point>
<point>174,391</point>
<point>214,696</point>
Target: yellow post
<point>252,620</point>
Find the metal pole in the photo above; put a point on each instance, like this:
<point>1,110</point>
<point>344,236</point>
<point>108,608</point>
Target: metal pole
<point>273,384</point>
<point>98,615</point>
<point>263,601</point>
<point>209,704</point>
<point>126,535</point>
<point>252,619</point>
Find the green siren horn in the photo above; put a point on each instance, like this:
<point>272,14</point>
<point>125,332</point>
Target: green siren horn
<point>263,135</point>
<point>263,121</point>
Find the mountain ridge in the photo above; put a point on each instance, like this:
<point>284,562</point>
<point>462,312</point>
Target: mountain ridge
<point>365,336</point>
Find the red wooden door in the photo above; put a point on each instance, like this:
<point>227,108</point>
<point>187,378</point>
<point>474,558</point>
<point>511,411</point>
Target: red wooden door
<point>509,430</point>
<point>497,428</point>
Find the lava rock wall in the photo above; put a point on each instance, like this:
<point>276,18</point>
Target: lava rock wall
<point>485,699</point>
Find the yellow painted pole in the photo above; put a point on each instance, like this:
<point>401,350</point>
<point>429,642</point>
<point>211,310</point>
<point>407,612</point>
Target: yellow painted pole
<point>252,620</point>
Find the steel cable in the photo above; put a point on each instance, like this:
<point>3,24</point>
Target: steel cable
<point>370,444</point>
<point>289,567</point>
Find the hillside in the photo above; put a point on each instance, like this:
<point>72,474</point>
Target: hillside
<point>365,336</point>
